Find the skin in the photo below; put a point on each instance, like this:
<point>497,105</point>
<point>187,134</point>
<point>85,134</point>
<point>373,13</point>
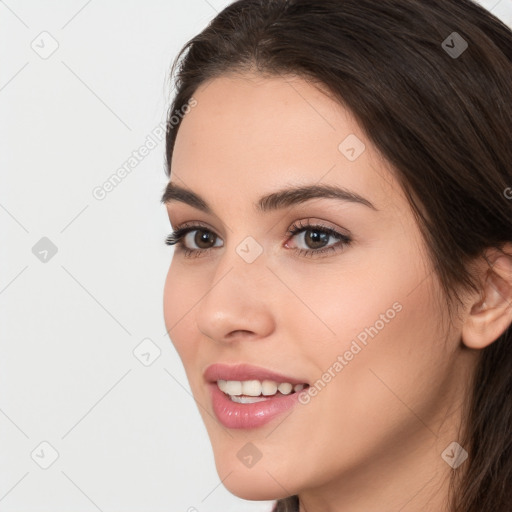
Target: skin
<point>372,439</point>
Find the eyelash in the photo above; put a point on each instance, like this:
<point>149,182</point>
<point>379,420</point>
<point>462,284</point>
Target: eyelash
<point>178,234</point>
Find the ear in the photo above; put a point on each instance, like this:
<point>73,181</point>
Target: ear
<point>491,312</point>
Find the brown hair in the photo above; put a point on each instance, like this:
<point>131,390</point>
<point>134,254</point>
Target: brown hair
<point>442,119</point>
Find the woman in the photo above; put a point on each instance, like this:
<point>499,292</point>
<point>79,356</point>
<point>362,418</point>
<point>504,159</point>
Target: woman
<point>340,291</point>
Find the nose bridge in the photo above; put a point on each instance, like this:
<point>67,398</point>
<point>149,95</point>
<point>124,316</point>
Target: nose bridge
<point>237,299</point>
<point>242,264</point>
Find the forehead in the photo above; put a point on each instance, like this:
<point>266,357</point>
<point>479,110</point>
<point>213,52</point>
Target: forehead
<point>262,133</point>
<point>252,110</point>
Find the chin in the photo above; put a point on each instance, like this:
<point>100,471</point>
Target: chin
<point>249,487</point>
<point>253,484</point>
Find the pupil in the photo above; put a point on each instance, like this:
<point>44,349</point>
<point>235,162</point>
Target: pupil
<point>203,237</point>
<point>317,238</point>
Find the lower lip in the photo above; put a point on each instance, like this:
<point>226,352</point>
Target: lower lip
<point>234,415</point>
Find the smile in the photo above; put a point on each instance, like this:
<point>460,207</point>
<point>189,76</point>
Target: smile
<point>245,396</point>
<point>252,391</point>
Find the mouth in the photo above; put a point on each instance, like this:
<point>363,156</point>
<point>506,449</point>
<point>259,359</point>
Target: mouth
<point>246,396</point>
<point>252,391</point>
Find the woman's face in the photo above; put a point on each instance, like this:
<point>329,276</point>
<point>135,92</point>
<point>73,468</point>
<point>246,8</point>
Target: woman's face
<point>361,322</point>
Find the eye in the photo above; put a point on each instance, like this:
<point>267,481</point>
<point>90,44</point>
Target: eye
<point>201,236</point>
<point>313,238</point>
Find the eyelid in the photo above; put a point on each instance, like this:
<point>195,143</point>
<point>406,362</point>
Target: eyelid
<point>343,240</point>
<point>302,223</point>
<point>182,229</point>
<point>320,223</point>
<point>193,224</point>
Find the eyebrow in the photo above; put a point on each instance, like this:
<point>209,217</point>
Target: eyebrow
<point>274,201</point>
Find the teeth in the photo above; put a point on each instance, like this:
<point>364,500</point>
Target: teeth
<point>248,399</point>
<point>230,387</point>
<point>251,387</point>
<point>268,387</point>
<point>285,388</point>
<point>255,388</point>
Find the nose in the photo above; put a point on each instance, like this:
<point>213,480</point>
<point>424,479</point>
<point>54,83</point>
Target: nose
<point>237,302</point>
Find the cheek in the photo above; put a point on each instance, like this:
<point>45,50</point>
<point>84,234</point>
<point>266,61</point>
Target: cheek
<point>180,298</point>
<point>332,304</point>
<point>374,338</point>
<point>375,401</point>
<point>389,351</point>
<point>374,292</point>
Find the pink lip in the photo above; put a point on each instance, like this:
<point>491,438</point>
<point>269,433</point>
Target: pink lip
<point>219,371</point>
<point>234,415</point>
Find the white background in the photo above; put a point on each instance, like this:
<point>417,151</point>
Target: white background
<point>129,436</point>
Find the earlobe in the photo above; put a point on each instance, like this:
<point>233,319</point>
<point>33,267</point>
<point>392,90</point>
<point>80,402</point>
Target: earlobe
<point>491,312</point>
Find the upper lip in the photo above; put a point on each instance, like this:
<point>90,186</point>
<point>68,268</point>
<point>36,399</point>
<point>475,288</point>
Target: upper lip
<point>241,372</point>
